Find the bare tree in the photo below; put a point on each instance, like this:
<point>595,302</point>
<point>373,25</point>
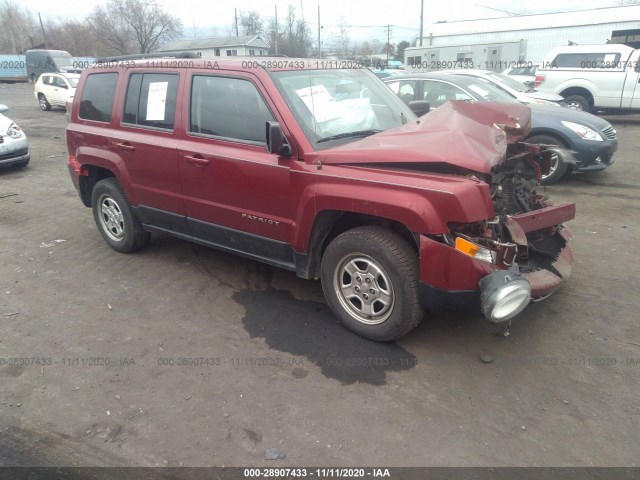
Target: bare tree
<point>18,28</point>
<point>133,26</point>
<point>341,39</point>
<point>294,36</point>
<point>73,36</point>
<point>251,23</point>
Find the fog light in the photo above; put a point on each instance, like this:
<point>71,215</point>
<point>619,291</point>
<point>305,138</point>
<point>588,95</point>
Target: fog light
<point>504,294</point>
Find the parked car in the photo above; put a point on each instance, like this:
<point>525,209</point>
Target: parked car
<point>14,147</point>
<point>41,61</point>
<point>525,73</point>
<point>55,89</point>
<point>511,86</point>
<point>324,172</point>
<point>593,77</point>
<point>589,141</point>
<point>381,73</point>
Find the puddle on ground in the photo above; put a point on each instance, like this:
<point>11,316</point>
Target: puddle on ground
<point>309,329</point>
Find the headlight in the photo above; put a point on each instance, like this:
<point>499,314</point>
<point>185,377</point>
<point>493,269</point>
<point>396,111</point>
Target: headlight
<point>584,132</point>
<point>15,131</point>
<point>504,294</point>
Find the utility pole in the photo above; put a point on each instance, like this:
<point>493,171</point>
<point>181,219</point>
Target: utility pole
<point>42,27</point>
<point>276,7</point>
<point>388,30</point>
<point>421,19</point>
<point>236,20</point>
<point>319,27</point>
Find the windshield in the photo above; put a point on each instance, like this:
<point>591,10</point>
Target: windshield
<point>62,60</point>
<point>509,82</point>
<point>340,105</point>
<point>486,91</point>
<point>73,82</point>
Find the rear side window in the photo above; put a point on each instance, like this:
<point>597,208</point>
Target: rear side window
<point>97,97</point>
<point>587,60</point>
<point>151,100</point>
<point>228,107</point>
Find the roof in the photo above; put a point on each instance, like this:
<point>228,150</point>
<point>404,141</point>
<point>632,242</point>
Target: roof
<point>212,42</point>
<point>594,16</point>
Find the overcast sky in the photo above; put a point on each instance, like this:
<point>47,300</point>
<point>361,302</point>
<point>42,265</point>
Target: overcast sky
<point>206,18</point>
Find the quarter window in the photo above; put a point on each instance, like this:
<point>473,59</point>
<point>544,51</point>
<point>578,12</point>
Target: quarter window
<point>97,97</point>
<point>228,107</point>
<point>151,100</point>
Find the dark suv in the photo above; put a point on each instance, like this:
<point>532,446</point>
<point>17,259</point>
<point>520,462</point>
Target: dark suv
<point>320,169</point>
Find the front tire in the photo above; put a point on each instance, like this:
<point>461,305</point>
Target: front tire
<point>558,167</point>
<point>116,222</point>
<point>370,280</point>
<point>44,103</point>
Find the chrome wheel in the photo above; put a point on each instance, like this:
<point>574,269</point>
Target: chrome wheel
<point>363,289</point>
<point>111,218</point>
<point>554,166</point>
<point>575,105</point>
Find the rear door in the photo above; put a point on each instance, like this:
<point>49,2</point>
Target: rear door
<point>146,141</point>
<point>237,194</point>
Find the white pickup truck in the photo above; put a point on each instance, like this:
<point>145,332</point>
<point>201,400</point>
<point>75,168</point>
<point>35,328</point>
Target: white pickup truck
<point>593,77</point>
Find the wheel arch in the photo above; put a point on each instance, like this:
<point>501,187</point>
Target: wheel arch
<point>328,224</point>
<point>87,182</point>
<point>582,91</point>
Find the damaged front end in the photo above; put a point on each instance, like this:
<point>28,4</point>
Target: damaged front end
<point>518,256</point>
<point>526,242</point>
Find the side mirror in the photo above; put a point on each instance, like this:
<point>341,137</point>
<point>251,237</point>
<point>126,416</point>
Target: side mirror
<point>420,107</point>
<point>3,108</point>
<point>276,142</point>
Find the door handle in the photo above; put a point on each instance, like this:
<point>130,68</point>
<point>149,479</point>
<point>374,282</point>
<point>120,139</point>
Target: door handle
<point>198,162</point>
<point>125,146</point>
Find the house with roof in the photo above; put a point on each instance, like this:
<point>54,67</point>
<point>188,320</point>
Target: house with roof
<point>253,45</point>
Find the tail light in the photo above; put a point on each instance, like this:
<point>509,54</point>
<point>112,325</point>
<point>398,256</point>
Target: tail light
<point>539,80</point>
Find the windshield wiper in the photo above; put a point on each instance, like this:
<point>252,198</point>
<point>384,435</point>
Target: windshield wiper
<point>358,133</point>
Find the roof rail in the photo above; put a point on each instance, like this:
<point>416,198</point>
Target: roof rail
<point>142,56</point>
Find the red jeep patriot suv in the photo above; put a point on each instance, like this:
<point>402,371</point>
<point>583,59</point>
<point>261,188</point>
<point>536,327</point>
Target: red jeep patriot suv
<point>320,169</point>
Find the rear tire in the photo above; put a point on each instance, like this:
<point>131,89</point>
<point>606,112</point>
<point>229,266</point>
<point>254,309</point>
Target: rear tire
<point>115,219</point>
<point>44,103</point>
<point>370,280</point>
<point>558,167</point>
<point>578,102</point>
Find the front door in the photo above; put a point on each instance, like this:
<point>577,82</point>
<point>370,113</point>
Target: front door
<point>237,195</point>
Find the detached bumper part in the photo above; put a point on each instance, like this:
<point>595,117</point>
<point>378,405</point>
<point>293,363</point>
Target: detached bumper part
<point>504,294</point>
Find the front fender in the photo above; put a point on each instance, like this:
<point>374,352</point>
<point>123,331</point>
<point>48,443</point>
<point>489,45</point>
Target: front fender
<point>420,209</point>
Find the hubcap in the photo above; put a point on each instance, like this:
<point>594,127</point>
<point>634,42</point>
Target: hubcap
<point>43,103</point>
<point>575,105</point>
<point>111,218</point>
<point>364,289</point>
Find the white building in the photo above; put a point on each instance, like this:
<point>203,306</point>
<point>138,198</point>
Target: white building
<point>253,45</point>
<point>496,43</point>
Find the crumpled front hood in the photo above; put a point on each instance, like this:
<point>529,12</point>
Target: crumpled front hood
<point>472,136</point>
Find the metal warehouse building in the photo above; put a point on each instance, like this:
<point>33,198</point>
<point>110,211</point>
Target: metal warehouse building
<point>497,43</point>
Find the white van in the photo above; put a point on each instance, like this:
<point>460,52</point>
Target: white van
<point>593,77</point>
